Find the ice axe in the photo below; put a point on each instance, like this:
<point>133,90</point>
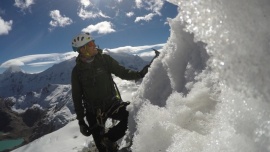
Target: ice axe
<point>156,55</point>
<point>145,69</point>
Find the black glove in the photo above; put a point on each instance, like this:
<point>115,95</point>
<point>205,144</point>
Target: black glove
<point>84,129</point>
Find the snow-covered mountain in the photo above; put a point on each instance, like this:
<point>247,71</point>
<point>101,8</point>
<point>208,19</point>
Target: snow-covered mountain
<point>131,62</point>
<point>15,82</point>
<point>198,97</point>
<point>210,96</point>
<point>19,83</point>
<point>43,100</point>
<point>13,69</point>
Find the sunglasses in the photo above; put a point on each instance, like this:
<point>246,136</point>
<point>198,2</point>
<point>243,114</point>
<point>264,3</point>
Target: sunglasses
<point>90,44</point>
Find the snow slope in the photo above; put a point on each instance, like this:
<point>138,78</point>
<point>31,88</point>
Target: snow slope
<point>209,89</point>
<point>69,138</point>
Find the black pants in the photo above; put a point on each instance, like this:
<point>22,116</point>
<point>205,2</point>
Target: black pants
<point>114,133</point>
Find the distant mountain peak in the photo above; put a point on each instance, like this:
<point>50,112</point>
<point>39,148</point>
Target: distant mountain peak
<point>13,69</point>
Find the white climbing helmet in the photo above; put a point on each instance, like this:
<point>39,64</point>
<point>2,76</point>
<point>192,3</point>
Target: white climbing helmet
<point>80,40</point>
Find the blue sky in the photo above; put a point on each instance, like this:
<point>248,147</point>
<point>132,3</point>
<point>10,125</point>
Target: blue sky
<point>35,34</point>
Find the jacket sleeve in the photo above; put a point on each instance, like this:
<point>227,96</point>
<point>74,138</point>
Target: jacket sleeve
<point>77,95</point>
<point>121,71</point>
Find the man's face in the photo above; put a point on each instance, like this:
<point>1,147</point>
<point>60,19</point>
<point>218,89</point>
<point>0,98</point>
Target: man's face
<point>89,49</point>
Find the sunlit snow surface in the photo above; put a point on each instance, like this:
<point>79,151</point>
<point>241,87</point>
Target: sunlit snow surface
<point>208,91</point>
<point>227,108</point>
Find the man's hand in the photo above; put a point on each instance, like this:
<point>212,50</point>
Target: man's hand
<point>84,129</point>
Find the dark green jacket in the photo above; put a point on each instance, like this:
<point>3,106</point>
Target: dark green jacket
<point>92,83</point>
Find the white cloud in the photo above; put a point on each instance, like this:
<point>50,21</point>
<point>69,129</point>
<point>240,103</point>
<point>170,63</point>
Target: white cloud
<point>39,64</point>
<point>135,49</point>
<point>5,26</point>
<point>138,3</point>
<point>38,59</point>
<point>147,17</point>
<point>129,14</point>
<point>103,15</point>
<point>23,4</point>
<point>154,6</point>
<point>101,28</point>
<point>84,14</point>
<point>44,60</point>
<point>59,20</point>
<point>85,3</point>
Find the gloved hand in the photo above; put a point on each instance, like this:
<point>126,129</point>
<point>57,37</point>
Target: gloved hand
<point>84,129</point>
